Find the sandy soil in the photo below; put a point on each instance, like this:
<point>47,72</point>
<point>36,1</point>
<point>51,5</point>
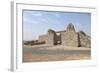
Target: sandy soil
<point>54,53</point>
<point>56,47</point>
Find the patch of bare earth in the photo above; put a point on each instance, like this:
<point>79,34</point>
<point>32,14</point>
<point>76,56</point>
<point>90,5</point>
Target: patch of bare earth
<point>55,53</point>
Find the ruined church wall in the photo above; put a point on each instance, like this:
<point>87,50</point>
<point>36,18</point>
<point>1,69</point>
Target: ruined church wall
<point>84,40</point>
<point>69,39</point>
<point>51,38</point>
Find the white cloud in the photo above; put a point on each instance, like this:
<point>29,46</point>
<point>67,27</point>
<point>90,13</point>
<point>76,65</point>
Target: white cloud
<point>37,13</point>
<point>30,21</point>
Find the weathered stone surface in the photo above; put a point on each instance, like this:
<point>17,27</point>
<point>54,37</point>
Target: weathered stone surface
<point>51,37</point>
<point>70,27</point>
<point>70,37</point>
<point>84,40</point>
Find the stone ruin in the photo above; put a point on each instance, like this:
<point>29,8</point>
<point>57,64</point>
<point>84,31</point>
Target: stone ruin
<point>68,37</point>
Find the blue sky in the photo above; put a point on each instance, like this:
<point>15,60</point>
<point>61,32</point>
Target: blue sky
<point>36,23</point>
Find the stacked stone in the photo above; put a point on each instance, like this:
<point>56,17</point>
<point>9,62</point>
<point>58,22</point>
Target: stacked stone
<point>51,37</point>
<point>67,38</point>
<point>84,40</point>
<point>70,37</point>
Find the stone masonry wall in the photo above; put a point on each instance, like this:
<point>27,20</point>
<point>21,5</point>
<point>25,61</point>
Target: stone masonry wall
<point>67,38</point>
<point>51,37</point>
<point>70,37</point>
<point>84,40</point>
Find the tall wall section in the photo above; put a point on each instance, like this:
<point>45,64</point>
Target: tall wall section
<point>51,37</point>
<point>84,39</point>
<point>70,37</point>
